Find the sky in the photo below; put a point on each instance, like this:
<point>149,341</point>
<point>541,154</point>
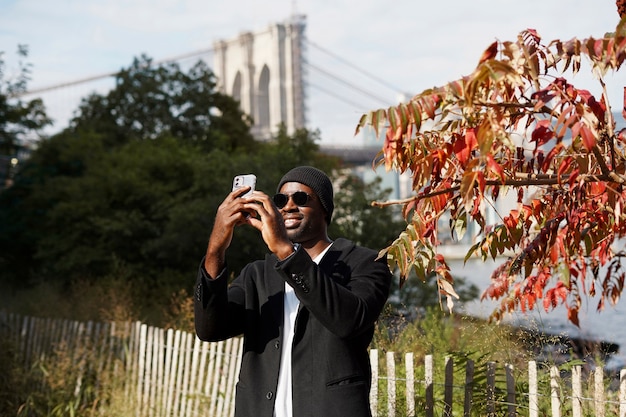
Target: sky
<point>411,45</point>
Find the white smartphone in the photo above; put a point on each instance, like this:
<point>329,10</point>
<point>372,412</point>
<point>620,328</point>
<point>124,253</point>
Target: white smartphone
<point>243,181</point>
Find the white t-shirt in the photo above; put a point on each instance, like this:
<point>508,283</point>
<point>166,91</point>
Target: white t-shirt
<point>283,407</point>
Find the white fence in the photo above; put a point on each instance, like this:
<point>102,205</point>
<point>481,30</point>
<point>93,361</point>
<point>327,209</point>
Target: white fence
<point>173,373</point>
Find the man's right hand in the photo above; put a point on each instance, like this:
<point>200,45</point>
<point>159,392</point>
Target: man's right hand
<point>230,213</point>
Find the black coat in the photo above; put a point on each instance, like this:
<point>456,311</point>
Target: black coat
<point>340,300</point>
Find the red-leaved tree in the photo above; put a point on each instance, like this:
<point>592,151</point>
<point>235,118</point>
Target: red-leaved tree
<point>517,125</point>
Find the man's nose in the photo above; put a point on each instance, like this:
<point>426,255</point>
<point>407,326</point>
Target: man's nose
<point>290,206</point>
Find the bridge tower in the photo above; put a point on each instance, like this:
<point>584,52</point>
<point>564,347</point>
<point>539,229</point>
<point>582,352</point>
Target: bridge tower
<point>264,72</point>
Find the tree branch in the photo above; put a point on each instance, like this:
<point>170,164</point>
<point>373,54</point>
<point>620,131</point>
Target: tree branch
<point>523,180</point>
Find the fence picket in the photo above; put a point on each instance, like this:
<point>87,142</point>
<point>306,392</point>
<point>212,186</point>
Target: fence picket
<point>155,348</point>
<point>159,364</point>
<point>82,338</point>
<point>25,339</point>
<point>169,372</point>
<point>148,371</point>
<point>179,343</point>
<point>128,359</point>
<point>410,384</point>
<point>429,388</point>
<point>233,371</point>
<point>510,390</point>
<point>391,384</point>
<point>448,386</point>
<point>186,373</point>
<point>34,335</point>
<point>555,379</point>
<point>225,362</point>
<point>374,382</point>
<point>202,367</point>
<point>598,392</point>
<point>533,397</point>
<point>491,388</point>
<point>469,388</point>
<point>101,337</point>
<point>133,357</point>
<point>56,335</point>
<point>213,376</point>
<point>622,393</point>
<point>577,391</point>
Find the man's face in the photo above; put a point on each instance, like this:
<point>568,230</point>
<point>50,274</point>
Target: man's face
<point>304,223</point>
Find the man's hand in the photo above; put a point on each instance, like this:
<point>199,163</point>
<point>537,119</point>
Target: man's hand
<point>230,213</point>
<point>270,223</point>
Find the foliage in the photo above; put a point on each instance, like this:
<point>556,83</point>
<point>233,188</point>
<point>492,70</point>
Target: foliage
<point>151,101</point>
<point>71,380</point>
<point>516,124</point>
<point>109,180</point>
<point>355,218</point>
<point>438,333</point>
<point>18,119</point>
<point>13,380</point>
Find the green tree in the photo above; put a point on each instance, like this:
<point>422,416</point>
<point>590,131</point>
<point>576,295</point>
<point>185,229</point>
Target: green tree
<point>357,219</point>
<point>102,194</point>
<point>151,101</point>
<point>18,119</point>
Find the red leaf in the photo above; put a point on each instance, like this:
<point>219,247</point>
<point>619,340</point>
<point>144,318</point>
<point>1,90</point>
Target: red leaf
<point>467,186</point>
<point>480,180</point>
<point>461,150</point>
<point>470,139</point>
<point>495,167</point>
<point>598,108</point>
<point>430,104</point>
<point>564,166</point>
<point>542,132</point>
<point>597,188</point>
<point>589,139</point>
<point>553,295</point>
<point>489,53</point>
<point>554,252</point>
<point>572,315</point>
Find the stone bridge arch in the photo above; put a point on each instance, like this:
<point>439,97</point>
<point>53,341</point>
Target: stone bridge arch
<point>264,72</point>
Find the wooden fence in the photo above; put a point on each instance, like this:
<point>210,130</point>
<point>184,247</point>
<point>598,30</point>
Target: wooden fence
<point>172,373</point>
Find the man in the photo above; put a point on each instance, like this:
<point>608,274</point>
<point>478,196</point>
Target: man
<point>307,312</point>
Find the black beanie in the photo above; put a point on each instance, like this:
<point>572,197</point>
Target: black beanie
<point>315,179</point>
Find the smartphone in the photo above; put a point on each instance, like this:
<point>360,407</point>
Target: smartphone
<point>243,181</point>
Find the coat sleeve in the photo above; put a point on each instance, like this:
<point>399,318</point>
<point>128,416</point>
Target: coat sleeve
<point>346,296</point>
<point>218,308</point>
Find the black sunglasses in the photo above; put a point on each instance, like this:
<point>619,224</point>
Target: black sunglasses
<point>300,198</point>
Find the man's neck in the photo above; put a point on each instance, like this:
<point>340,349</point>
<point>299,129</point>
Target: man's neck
<point>314,249</point>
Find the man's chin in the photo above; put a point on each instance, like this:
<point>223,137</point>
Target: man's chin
<point>294,235</point>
